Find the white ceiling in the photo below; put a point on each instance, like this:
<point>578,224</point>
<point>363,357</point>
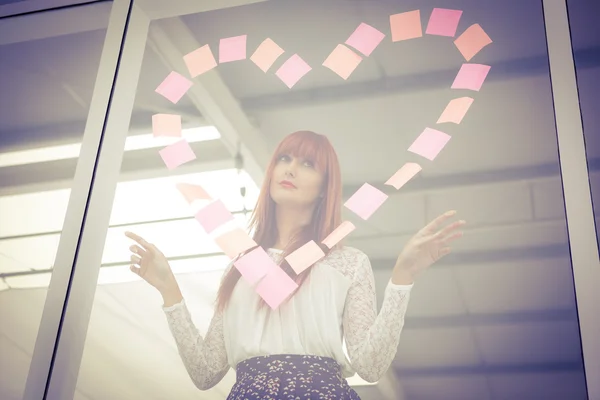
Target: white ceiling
<point>496,320</point>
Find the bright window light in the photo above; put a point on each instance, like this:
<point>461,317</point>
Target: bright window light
<point>153,208</point>
<point>136,142</point>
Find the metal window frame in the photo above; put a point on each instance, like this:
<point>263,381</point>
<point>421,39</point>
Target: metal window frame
<point>576,187</point>
<point>61,336</point>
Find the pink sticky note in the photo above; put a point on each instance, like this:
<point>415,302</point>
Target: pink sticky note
<point>338,234</point>
<point>255,265</point>
<point>403,175</point>
<point>177,154</point>
<point>235,242</point>
<point>166,125</point>
<point>443,22</point>
<point>366,201</point>
<point>266,54</point>
<point>200,61</point>
<point>275,287</point>
<point>292,70</point>
<point>174,87</point>
<point>365,39</point>
<point>342,61</point>
<point>213,216</point>
<point>305,256</point>
<point>232,49</point>
<point>471,77</point>
<point>193,192</point>
<point>406,25</point>
<point>471,41</point>
<point>455,110</point>
<point>429,143</point>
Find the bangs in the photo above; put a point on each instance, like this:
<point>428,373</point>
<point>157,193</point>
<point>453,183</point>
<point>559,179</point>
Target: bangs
<point>309,146</point>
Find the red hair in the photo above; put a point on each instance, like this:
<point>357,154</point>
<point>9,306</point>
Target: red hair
<point>326,216</point>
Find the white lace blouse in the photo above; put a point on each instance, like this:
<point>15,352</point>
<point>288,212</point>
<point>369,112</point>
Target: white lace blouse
<point>336,303</point>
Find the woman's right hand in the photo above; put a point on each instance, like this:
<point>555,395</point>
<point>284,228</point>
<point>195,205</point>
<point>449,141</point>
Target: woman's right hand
<point>151,265</point>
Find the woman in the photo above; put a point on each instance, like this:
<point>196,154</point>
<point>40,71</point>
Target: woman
<point>296,351</point>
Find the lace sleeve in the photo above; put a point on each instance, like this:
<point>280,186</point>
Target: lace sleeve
<point>205,359</point>
<point>371,339</point>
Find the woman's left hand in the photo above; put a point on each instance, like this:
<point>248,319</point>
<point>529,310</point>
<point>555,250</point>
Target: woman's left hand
<point>425,248</point>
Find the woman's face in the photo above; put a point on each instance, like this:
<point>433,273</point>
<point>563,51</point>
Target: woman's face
<point>295,182</point>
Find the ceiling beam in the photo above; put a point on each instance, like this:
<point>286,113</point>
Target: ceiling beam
<point>137,164</point>
<point>478,370</point>
<point>480,319</point>
<point>43,25</point>
<point>511,174</point>
<point>161,9</point>
<point>413,83</point>
<point>171,39</point>
<point>478,257</point>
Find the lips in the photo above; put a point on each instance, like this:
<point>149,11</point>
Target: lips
<point>287,184</point>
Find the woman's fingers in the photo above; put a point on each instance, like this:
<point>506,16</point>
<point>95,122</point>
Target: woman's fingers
<point>435,225</point>
<point>451,238</point>
<point>135,259</point>
<point>449,229</point>
<point>138,239</point>
<point>135,249</point>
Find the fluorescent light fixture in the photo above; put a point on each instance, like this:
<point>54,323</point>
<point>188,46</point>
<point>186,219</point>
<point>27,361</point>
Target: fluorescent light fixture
<point>136,142</point>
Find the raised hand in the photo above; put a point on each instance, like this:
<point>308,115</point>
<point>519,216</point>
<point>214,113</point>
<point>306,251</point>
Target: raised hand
<point>425,248</point>
<point>151,265</point>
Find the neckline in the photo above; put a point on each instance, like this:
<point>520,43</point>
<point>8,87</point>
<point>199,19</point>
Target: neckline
<point>275,250</point>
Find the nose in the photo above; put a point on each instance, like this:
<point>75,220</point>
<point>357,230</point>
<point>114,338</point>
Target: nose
<point>291,168</point>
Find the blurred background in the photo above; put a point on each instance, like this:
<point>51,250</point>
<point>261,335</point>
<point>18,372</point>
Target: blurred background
<point>494,320</point>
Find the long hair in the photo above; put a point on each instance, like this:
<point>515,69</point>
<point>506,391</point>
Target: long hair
<point>326,215</point>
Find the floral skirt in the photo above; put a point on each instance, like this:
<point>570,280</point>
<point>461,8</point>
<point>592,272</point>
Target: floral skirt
<point>290,376</point>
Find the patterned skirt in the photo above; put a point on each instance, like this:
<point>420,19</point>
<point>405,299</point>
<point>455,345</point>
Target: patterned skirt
<point>290,376</point>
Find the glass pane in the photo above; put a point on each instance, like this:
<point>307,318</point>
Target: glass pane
<point>586,51</point>
<point>47,82</point>
<point>495,319</point>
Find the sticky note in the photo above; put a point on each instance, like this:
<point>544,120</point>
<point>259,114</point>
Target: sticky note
<point>192,192</point>
<point>255,265</point>
<point>174,87</point>
<point>213,216</point>
<point>166,125</point>
<point>177,154</point>
<point>403,175</point>
<point>292,70</point>
<point>471,41</point>
<point>275,287</point>
<point>232,49</point>
<point>443,22</point>
<point>305,256</point>
<point>455,110</point>
<point>471,76</point>
<point>406,25</point>
<point>342,61</point>
<point>429,143</point>
<point>338,234</point>
<point>200,61</point>
<point>366,201</point>
<point>365,39</point>
<point>235,242</point>
<point>266,54</point>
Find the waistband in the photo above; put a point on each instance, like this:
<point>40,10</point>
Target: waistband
<point>277,363</point>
